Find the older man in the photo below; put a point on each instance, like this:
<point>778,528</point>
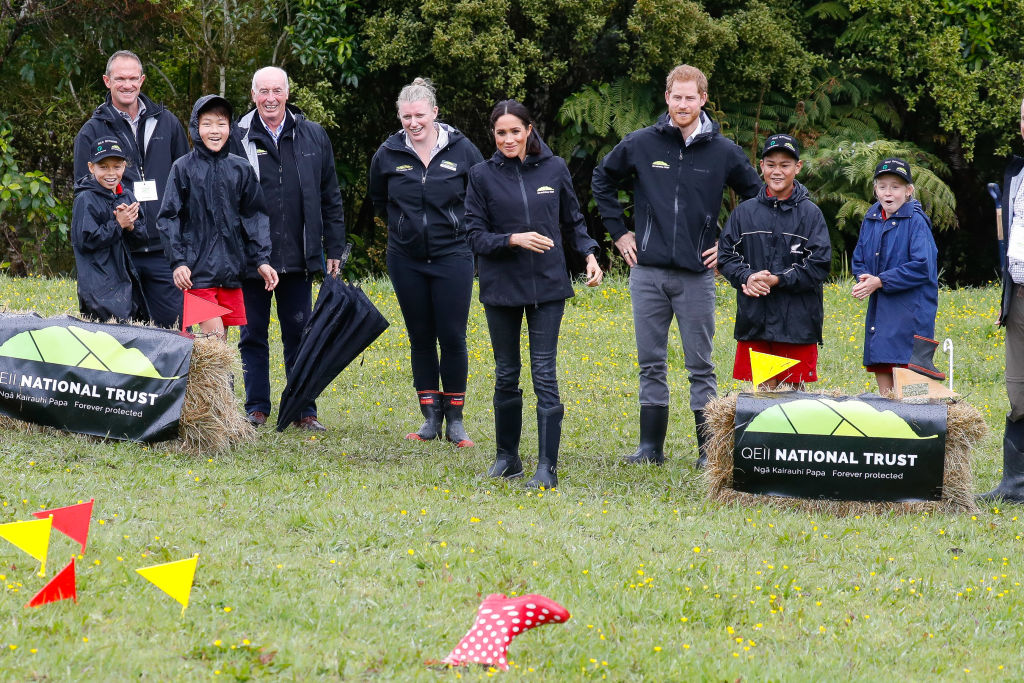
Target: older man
<point>152,138</point>
<point>294,161</point>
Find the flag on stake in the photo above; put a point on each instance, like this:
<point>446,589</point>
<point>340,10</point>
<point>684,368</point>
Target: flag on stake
<point>173,578</point>
<point>764,366</point>
<point>60,587</point>
<point>196,309</point>
<point>32,537</point>
<point>72,521</point>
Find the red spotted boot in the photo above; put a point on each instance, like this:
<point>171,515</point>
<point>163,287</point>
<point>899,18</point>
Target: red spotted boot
<point>499,619</point>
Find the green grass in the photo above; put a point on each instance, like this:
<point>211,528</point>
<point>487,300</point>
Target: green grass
<point>360,556</point>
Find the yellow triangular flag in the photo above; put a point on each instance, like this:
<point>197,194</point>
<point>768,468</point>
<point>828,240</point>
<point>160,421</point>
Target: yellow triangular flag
<point>32,537</point>
<point>764,366</point>
<point>173,578</point>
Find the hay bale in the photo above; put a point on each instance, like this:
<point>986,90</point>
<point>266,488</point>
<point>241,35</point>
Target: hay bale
<point>965,426</point>
<point>212,419</point>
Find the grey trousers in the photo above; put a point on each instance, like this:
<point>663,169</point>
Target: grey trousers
<point>658,294</point>
<point>1015,354</point>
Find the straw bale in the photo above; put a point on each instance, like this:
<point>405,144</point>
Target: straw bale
<point>212,418</point>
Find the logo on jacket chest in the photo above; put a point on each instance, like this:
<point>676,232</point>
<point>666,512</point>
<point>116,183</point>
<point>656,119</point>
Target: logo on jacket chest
<point>449,165</point>
<point>660,164</point>
<point>403,168</point>
<point>544,189</point>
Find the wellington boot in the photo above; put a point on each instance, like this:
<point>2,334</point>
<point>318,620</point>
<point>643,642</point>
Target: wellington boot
<point>549,437</point>
<point>700,426</point>
<point>508,425</point>
<point>453,430</point>
<point>653,427</point>
<point>430,406</point>
<point>921,358</point>
<point>1011,488</point>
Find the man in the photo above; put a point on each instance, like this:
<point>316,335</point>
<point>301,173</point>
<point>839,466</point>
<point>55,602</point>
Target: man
<point>1011,315</point>
<point>294,161</point>
<point>152,138</point>
<point>677,169</point>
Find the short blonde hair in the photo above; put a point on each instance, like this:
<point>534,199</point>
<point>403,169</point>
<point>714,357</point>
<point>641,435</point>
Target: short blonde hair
<point>420,90</point>
<point>686,73</point>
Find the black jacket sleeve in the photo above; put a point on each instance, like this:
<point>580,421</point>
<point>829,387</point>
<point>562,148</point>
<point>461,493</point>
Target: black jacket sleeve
<point>610,174</point>
<point>731,263</point>
<point>92,228</point>
<point>742,177</point>
<point>81,153</point>
<point>172,211</point>
<point>570,216</point>
<point>331,209</point>
<point>378,189</point>
<point>478,222</point>
<point>811,271</point>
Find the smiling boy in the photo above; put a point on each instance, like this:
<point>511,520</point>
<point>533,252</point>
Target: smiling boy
<point>775,251</point>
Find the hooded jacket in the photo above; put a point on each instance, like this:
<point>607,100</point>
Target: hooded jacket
<point>901,251</point>
<point>108,286</point>
<point>424,205</point>
<point>163,141</point>
<point>212,217</point>
<point>323,216</point>
<point>677,191</point>
<point>790,238</point>
<point>507,196</point>
<point>1013,169</point>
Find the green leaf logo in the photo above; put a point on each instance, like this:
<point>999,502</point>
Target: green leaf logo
<point>825,417</point>
<point>79,348</point>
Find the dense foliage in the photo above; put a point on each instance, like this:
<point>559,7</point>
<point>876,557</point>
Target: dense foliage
<point>936,80</point>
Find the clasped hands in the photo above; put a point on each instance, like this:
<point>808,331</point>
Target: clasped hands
<point>538,243</point>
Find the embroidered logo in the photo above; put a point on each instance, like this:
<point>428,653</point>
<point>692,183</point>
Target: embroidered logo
<point>544,189</point>
<point>449,165</point>
<point>659,164</point>
<point>260,151</point>
<point>403,167</point>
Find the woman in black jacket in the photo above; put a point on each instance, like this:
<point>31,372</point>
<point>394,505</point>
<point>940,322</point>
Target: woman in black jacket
<point>517,204</point>
<point>418,181</point>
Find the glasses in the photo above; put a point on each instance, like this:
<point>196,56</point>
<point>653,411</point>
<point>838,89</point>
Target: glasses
<point>263,92</point>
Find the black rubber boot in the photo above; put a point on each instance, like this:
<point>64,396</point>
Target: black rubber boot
<point>1011,488</point>
<point>430,406</point>
<point>653,427</point>
<point>699,425</point>
<point>921,358</point>
<point>453,429</point>
<point>549,436</point>
<point>508,425</point>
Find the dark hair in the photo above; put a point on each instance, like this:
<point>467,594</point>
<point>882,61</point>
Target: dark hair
<point>216,108</point>
<point>518,110</point>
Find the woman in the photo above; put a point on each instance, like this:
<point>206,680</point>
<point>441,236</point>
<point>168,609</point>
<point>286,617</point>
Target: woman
<point>517,203</point>
<point>418,179</point>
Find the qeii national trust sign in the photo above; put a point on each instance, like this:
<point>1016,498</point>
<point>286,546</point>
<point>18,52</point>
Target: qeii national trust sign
<point>864,448</point>
<point>115,381</point>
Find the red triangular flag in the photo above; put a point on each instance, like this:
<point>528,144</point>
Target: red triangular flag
<point>60,587</point>
<point>72,521</point>
<point>198,310</point>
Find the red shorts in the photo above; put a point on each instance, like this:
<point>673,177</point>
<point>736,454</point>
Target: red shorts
<point>804,371</point>
<point>884,367</point>
<point>228,298</point>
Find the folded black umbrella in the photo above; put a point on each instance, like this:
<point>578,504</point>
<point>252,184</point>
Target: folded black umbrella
<point>343,324</point>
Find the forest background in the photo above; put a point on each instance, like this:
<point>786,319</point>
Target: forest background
<point>935,81</point>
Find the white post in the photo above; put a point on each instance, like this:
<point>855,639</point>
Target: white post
<point>947,346</point>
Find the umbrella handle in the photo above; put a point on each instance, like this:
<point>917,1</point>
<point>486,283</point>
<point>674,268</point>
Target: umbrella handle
<point>344,257</point>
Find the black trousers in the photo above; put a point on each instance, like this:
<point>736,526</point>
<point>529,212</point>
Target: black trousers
<point>434,297</point>
<point>543,322</point>
<point>162,297</point>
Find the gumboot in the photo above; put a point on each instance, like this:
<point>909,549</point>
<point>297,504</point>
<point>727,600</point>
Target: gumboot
<point>499,619</point>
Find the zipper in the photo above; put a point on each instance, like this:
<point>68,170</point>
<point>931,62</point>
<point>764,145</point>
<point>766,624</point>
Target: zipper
<point>455,220</point>
<point>423,203</point>
<point>647,233</point>
<point>675,205</point>
<point>533,256</point>
<point>398,229</point>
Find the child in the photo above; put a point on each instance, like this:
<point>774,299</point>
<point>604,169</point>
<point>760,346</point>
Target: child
<point>212,222</point>
<point>775,251</point>
<point>895,264</point>
<point>108,286</point>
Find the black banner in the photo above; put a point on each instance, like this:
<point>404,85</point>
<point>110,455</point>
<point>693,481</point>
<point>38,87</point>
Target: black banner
<point>116,381</point>
<point>864,448</point>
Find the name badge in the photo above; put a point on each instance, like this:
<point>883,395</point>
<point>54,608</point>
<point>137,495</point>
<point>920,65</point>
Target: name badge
<point>145,191</point>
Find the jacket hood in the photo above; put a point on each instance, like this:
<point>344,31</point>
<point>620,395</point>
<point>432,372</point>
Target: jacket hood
<point>798,195</point>
<point>910,208</point>
<point>544,153</point>
<point>193,123</point>
<point>107,112</point>
<point>664,125</point>
<point>88,183</point>
<point>396,140</point>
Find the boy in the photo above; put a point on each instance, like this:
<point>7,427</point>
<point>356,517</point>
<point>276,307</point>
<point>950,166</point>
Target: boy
<point>212,222</point>
<point>775,251</point>
<point>108,286</point>
<point>900,275</point>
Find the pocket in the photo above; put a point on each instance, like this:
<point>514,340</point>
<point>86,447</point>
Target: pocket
<point>398,228</point>
<point>647,232</point>
<point>704,242</point>
<point>454,219</point>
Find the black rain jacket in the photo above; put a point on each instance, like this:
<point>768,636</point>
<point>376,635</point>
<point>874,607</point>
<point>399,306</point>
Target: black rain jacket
<point>677,191</point>
<point>1015,165</point>
<point>212,217</point>
<point>108,285</point>
<point>163,140</point>
<point>424,206</point>
<point>790,238</point>
<point>506,196</point>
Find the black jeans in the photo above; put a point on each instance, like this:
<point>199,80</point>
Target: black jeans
<point>294,295</point>
<point>434,296</point>
<point>162,297</point>
<point>542,321</point>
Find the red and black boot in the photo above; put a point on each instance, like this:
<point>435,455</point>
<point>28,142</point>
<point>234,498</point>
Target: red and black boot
<point>430,406</point>
<point>454,431</point>
<point>921,358</point>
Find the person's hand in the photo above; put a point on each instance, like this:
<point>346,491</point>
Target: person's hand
<point>711,257</point>
<point>756,285</point>
<point>333,266</point>
<point>866,286</point>
<point>182,276</point>
<point>126,215</point>
<point>269,276</point>
<point>531,241</point>
<point>594,272</point>
<point>627,247</point>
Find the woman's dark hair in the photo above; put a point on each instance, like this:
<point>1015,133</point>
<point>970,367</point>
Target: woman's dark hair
<point>518,110</point>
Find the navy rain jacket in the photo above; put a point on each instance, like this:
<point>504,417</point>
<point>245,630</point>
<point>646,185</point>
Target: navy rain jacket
<point>901,251</point>
<point>108,286</point>
<point>677,191</point>
<point>163,141</point>
<point>212,217</point>
<point>424,206</point>
<point>788,237</point>
<point>506,196</point>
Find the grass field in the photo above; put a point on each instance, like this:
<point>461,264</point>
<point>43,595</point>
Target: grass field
<point>357,555</point>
